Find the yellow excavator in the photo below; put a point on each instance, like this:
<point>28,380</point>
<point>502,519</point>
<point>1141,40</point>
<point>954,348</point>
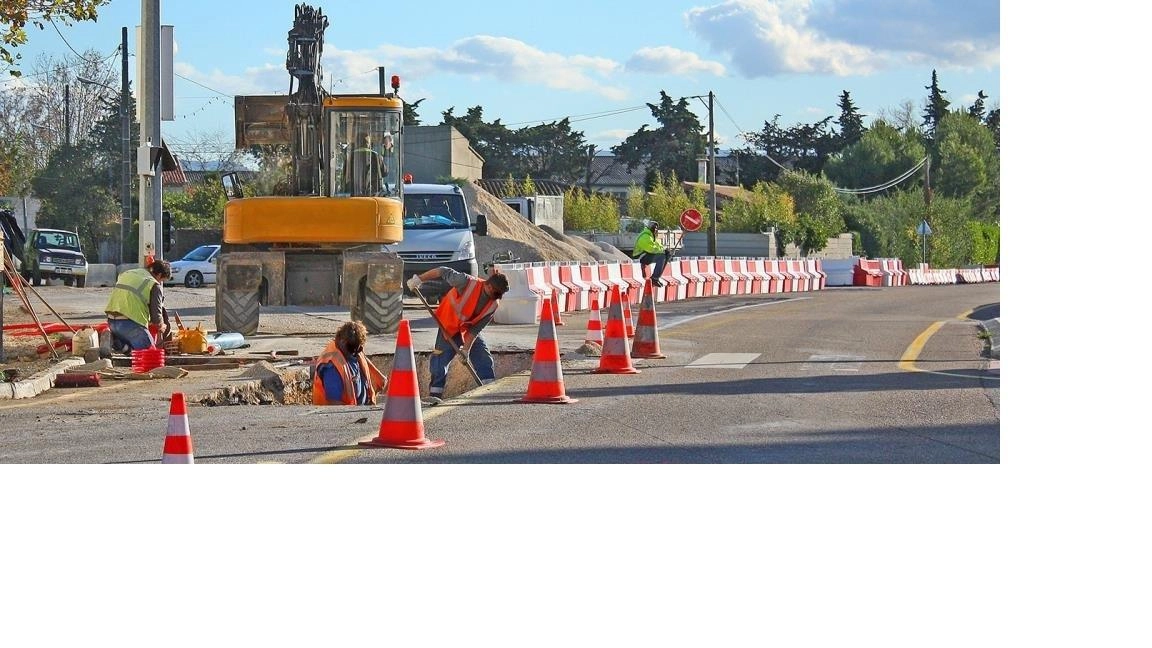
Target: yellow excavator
<point>322,242</point>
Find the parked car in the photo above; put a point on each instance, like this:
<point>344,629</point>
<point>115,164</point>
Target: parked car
<point>197,268</point>
<point>54,254</point>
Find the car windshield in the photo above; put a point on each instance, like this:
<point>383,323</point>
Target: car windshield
<point>200,254</point>
<point>434,211</point>
<point>65,240</point>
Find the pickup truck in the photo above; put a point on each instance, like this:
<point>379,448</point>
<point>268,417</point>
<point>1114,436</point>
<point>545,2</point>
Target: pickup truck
<point>54,254</point>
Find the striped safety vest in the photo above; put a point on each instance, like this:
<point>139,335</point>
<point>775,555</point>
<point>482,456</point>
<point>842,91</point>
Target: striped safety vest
<point>331,354</point>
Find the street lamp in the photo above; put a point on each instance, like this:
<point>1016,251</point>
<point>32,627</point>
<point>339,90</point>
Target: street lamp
<point>125,159</point>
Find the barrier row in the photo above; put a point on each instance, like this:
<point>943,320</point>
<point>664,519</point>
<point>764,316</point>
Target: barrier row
<point>879,272</point>
<point>936,276</point>
<point>684,278</point>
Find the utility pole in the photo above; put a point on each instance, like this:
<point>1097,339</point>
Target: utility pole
<point>125,146</point>
<point>712,174</point>
<point>151,185</point>
<point>67,116</point>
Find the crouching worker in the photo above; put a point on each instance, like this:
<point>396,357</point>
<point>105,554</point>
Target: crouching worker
<point>463,312</point>
<point>342,374</point>
<point>136,315</point>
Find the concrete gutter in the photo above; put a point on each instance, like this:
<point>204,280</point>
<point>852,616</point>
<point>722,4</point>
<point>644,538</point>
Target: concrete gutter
<point>992,327</point>
<point>37,383</point>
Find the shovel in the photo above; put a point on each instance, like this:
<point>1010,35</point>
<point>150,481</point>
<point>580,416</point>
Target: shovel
<point>461,352</point>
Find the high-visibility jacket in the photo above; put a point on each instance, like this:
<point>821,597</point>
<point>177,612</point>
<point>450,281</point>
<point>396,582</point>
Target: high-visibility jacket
<point>646,242</point>
<point>375,379</point>
<point>130,296</point>
<point>457,310</point>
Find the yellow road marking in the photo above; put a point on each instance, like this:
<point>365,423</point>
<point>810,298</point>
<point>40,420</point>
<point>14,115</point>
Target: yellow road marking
<point>912,353</point>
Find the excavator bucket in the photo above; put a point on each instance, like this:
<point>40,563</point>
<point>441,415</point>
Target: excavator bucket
<point>262,120</point>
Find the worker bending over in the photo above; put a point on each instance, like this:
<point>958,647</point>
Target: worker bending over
<point>342,374</point>
<point>136,315</point>
<point>463,312</point>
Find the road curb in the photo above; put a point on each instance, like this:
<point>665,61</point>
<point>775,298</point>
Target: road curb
<point>37,383</point>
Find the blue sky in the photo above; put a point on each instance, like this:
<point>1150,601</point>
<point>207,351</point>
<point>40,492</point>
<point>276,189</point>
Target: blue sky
<point>596,62</point>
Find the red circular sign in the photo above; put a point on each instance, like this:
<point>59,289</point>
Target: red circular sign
<point>691,220</point>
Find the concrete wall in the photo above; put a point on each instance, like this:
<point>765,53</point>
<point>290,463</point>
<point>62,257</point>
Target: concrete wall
<point>25,210</point>
<point>760,245</point>
<point>435,152</point>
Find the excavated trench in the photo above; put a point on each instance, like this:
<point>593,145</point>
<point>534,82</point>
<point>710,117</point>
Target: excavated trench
<point>262,383</point>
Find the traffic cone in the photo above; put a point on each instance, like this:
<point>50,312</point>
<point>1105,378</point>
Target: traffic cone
<point>402,425</point>
<point>646,344</point>
<point>629,329</point>
<point>595,334</point>
<point>178,441</point>
<point>546,385</point>
<point>614,358</point>
<point>556,309</point>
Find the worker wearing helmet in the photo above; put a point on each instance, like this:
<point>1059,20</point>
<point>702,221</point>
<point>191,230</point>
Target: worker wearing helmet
<point>648,251</point>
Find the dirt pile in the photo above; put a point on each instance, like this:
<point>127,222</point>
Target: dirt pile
<point>508,231</point>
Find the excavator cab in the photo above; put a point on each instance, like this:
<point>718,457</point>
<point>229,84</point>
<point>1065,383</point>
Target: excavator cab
<point>364,152</point>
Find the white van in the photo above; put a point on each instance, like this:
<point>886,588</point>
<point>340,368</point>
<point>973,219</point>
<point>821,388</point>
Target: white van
<point>438,231</point>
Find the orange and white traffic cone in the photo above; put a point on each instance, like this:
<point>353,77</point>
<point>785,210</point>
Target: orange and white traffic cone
<point>595,334</point>
<point>614,358</point>
<point>402,425</point>
<point>546,385</point>
<point>178,441</point>
<point>646,344</point>
<point>556,309</point>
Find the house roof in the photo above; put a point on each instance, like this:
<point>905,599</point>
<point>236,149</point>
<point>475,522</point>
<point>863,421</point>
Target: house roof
<point>497,187</point>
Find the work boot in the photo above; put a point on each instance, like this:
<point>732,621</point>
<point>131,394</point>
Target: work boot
<point>432,401</point>
<point>106,343</point>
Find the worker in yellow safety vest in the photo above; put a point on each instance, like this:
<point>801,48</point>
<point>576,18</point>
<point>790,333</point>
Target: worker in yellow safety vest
<point>136,315</point>
<point>647,250</point>
<point>342,374</point>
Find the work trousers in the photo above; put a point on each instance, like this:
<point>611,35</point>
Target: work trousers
<point>445,351</point>
<point>657,258</point>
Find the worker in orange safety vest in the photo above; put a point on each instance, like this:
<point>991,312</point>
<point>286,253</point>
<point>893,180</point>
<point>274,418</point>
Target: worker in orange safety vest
<point>342,374</point>
<point>463,311</point>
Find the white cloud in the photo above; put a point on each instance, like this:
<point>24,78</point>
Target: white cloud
<point>669,60</point>
<point>848,37</point>
<point>514,61</point>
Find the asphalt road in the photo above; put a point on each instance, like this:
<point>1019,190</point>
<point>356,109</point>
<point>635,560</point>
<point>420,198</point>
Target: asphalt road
<point>844,375</point>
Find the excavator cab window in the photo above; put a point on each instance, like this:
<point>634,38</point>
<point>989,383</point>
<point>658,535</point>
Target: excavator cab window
<point>365,152</point>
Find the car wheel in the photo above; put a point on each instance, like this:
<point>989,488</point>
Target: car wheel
<point>194,279</point>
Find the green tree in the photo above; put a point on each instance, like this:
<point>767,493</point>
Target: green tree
<point>671,149</point>
<point>199,206</point>
<point>936,107</point>
<point>851,122</point>
<point>74,195</point>
<point>493,141</point>
<point>585,211</point>
<point>882,154</point>
<point>15,15</point>
<point>773,149</point>
<point>968,156</point>
<point>765,205</point>
<point>550,150</point>
<point>818,211</point>
<point>977,108</point>
<point>411,112</point>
